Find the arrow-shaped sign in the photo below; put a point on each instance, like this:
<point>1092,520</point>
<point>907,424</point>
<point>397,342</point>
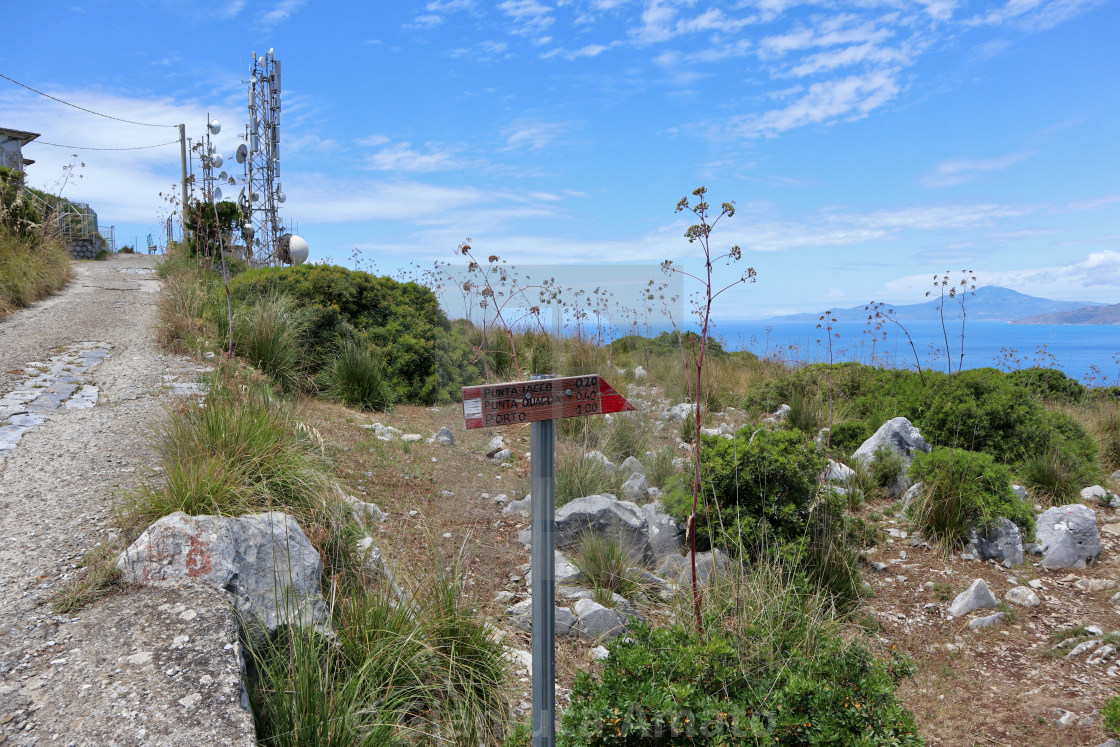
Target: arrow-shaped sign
<point>542,399</point>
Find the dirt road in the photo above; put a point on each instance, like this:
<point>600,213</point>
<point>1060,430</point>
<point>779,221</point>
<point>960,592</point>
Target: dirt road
<point>81,384</point>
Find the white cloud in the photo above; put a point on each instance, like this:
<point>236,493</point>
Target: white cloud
<point>960,170</point>
<point>853,97</point>
<point>532,134</point>
<point>1074,280</point>
<point>529,16</point>
<point>402,157</point>
<point>282,11</point>
<point>848,56</point>
<point>373,140</point>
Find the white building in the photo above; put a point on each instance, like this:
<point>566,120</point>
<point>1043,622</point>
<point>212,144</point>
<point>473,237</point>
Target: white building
<point>11,148</point>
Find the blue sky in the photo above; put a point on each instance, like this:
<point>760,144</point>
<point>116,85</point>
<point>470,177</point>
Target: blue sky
<point>868,145</point>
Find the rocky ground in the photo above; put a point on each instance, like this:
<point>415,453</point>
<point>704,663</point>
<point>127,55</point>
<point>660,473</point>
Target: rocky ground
<point>81,384</point>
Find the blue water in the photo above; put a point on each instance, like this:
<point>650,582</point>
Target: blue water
<point>1087,352</point>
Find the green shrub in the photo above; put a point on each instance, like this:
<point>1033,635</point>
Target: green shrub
<point>426,360</point>
<point>356,379</point>
<point>1049,384</point>
<point>669,686</point>
<point>886,467</point>
<point>762,485</point>
<point>848,436</point>
<point>960,490</point>
<point>1111,716</point>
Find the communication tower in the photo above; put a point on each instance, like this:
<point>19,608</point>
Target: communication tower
<point>262,196</point>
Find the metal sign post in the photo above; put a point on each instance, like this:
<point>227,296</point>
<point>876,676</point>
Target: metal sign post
<point>541,401</point>
<point>543,507</point>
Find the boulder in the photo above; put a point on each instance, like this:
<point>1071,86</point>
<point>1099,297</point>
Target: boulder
<point>632,466</point>
<point>1095,494</point>
<point>607,516</point>
<point>899,436</point>
<point>666,535</point>
<point>521,615</point>
<point>1067,536</point>
<point>837,472</point>
<point>678,568</point>
<point>910,494</point>
<point>501,455</point>
<point>976,597</point>
<point>639,373</point>
<point>986,622</point>
<point>1023,596</point>
<point>497,443</point>
<point>679,413</point>
<point>522,507</point>
<point>601,458</point>
<point>1002,542</point>
<point>368,514</point>
<point>635,488</point>
<point>563,571</point>
<point>264,560</point>
<point>443,437</point>
<point>598,623</point>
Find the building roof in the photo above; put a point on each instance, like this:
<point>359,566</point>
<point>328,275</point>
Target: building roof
<point>21,135</point>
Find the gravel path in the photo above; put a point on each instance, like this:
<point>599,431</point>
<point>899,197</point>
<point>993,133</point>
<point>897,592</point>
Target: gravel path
<point>81,384</point>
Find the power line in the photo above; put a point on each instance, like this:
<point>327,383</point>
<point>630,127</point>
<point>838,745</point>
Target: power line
<point>82,147</point>
<point>82,108</point>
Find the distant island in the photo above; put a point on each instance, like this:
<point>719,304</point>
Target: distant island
<point>989,303</point>
<point>1083,315</point>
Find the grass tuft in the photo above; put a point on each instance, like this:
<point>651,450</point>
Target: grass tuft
<point>357,379</point>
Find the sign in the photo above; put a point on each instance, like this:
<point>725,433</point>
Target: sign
<point>541,399</point>
<point>540,402</point>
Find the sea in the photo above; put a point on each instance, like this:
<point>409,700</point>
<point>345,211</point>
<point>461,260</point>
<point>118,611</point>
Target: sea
<point>1089,353</point>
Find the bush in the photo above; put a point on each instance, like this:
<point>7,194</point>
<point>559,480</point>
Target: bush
<point>1111,715</point>
<point>848,436</point>
<point>763,486</point>
<point>356,380</point>
<point>672,687</point>
<point>961,490</point>
<point>426,361</point>
<point>886,467</point>
<point>1049,384</point>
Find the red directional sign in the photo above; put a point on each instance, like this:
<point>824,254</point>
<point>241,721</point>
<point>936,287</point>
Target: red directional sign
<point>541,399</point>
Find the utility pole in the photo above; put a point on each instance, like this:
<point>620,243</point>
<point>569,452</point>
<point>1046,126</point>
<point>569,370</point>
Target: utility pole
<point>183,167</point>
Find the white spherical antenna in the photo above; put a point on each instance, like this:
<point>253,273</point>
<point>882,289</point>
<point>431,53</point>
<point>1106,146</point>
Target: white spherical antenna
<point>270,51</point>
<point>215,127</point>
<point>242,153</point>
<point>281,197</point>
<point>293,249</point>
<point>217,160</point>
<point>247,229</point>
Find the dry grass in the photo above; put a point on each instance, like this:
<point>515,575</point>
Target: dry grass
<point>30,270</point>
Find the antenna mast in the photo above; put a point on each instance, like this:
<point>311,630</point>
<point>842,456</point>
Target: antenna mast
<point>262,164</point>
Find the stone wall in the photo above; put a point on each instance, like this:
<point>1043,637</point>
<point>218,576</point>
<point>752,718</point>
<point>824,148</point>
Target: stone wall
<point>85,248</point>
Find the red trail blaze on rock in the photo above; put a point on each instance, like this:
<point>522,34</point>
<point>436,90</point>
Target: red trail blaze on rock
<point>198,558</point>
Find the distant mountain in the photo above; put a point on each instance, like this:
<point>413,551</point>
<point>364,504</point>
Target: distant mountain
<point>1083,315</point>
<point>989,303</point>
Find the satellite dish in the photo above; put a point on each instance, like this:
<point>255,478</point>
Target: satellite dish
<point>217,160</point>
<point>242,153</point>
<point>270,51</point>
<point>247,229</point>
<point>217,194</point>
<point>292,249</point>
<point>255,196</point>
<point>215,127</point>
<point>281,197</point>
<point>223,176</point>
